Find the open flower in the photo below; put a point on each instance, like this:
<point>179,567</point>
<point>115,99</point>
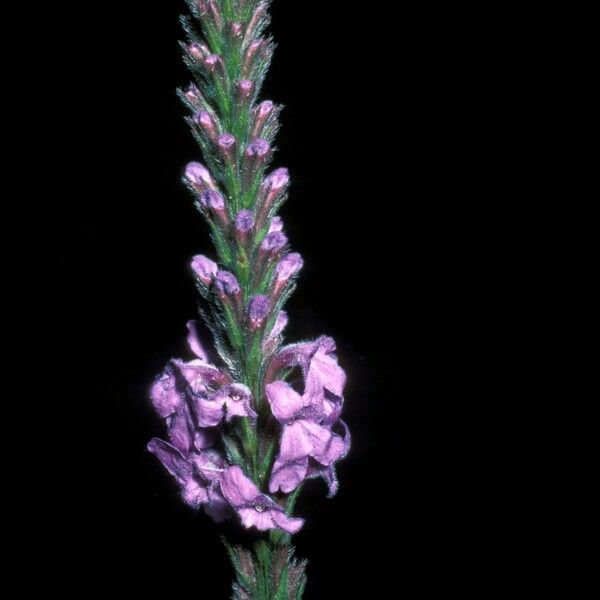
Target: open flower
<point>255,509</point>
<point>233,400</point>
<point>303,436</point>
<point>318,363</point>
<point>197,474</point>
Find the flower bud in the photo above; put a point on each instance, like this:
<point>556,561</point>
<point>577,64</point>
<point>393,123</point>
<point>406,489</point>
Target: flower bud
<point>276,224</point>
<point>272,187</point>
<point>257,17</point>
<point>214,202</point>
<point>236,30</point>
<point>193,95</point>
<point>286,268</point>
<point>275,184</point>
<point>227,284</point>
<point>254,47</point>
<point>258,311</point>
<point>196,52</point>
<point>244,223</point>
<point>198,177</point>
<point>257,150</point>
<point>273,244</point>
<point>261,113</point>
<point>274,336</point>
<point>226,143</point>
<point>211,62</point>
<point>204,268</point>
<point>245,88</point>
<point>215,13</point>
<point>205,121</point>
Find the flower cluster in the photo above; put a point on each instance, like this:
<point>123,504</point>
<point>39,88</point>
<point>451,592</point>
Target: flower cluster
<point>242,437</point>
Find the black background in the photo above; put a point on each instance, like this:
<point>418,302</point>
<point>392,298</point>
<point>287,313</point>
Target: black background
<point>413,141</point>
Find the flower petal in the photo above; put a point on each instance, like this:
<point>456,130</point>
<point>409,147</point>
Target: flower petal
<point>181,429</point>
<point>217,507</point>
<point>324,369</point>
<point>288,524</point>
<point>199,374</point>
<point>209,464</point>
<point>171,459</point>
<point>288,475</point>
<point>236,398</point>
<point>284,400</point>
<point>237,488</point>
<point>165,396</point>
<point>208,412</point>
<point>193,340</point>
<point>204,438</point>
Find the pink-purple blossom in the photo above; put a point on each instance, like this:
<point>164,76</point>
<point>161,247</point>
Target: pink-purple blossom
<point>254,508</point>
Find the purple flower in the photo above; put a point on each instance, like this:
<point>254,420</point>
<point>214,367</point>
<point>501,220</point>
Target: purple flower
<point>198,476</point>
<point>259,307</point>
<point>227,284</point>
<point>287,267</point>
<point>165,396</point>
<point>319,366</point>
<point>276,224</point>
<point>303,437</point>
<point>193,340</point>
<point>198,177</point>
<point>230,401</point>
<point>199,374</point>
<point>204,268</point>
<point>255,509</point>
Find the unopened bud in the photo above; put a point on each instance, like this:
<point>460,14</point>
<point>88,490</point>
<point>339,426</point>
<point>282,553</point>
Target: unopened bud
<point>198,177</point>
<point>244,223</point>
<point>258,311</point>
<point>261,113</point>
<point>245,87</point>
<point>205,121</point>
<point>215,13</point>
<point>274,243</point>
<point>255,21</point>
<point>226,144</point>
<point>273,338</point>
<point>286,269</point>
<point>204,268</point>
<point>227,284</point>
<point>192,95</point>
<point>276,224</point>
<point>236,30</point>
<point>214,202</point>
<point>254,47</point>
<point>196,51</point>
<point>211,62</point>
